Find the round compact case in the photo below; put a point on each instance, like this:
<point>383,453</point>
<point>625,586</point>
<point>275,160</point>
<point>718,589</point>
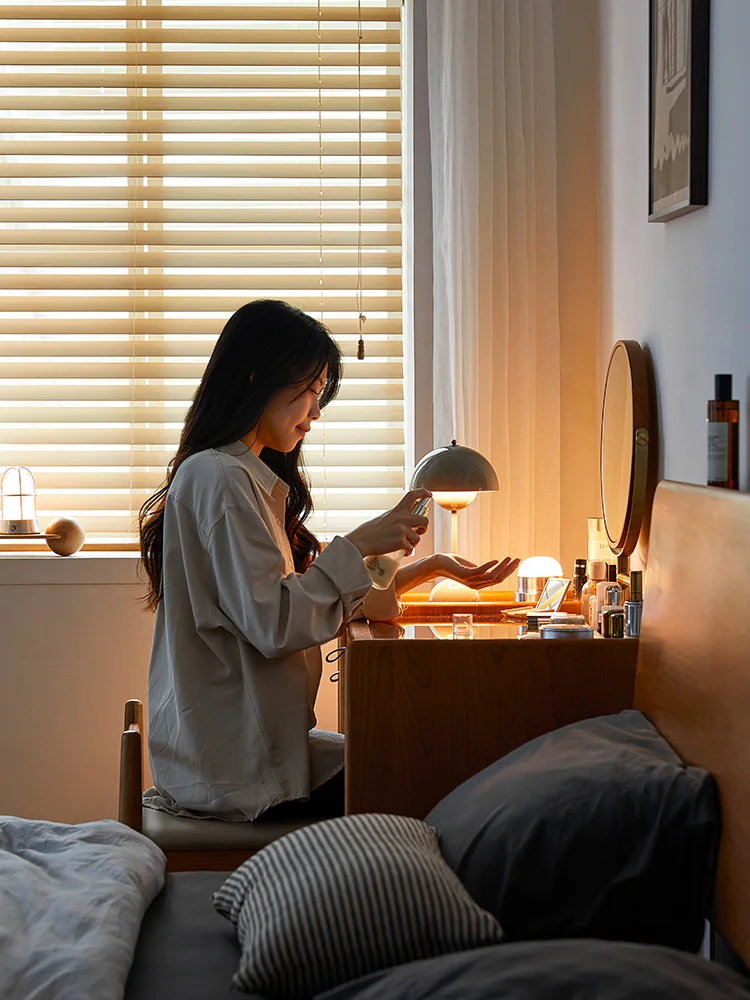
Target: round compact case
<point>566,631</point>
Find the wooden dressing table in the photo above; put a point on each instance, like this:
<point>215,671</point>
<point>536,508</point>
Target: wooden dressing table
<point>451,707</point>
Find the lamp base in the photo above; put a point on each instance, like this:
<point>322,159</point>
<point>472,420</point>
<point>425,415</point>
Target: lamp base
<point>453,592</point>
<point>27,526</point>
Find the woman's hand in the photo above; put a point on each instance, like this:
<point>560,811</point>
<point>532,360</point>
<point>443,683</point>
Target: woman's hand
<point>489,574</point>
<point>394,530</point>
<point>455,568</point>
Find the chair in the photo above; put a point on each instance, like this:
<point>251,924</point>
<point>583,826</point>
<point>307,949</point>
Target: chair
<point>189,844</point>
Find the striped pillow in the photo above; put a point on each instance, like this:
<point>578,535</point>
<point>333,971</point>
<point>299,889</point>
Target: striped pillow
<point>345,897</point>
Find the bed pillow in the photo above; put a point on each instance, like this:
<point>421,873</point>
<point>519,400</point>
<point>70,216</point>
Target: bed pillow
<point>553,970</point>
<point>345,897</point>
<point>595,830</point>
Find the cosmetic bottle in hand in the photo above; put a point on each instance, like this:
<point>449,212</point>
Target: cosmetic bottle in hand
<point>383,568</point>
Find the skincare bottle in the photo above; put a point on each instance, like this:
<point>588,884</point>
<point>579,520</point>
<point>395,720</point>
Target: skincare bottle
<point>634,606</point>
<point>579,578</point>
<point>383,567</point>
<point>597,572</point>
<point>723,435</point>
<point>613,622</point>
<point>612,599</point>
<point>601,595</point>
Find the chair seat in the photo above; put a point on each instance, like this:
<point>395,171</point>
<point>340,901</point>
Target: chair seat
<point>179,833</point>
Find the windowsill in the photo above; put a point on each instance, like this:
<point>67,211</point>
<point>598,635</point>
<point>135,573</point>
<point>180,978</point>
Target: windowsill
<point>41,568</point>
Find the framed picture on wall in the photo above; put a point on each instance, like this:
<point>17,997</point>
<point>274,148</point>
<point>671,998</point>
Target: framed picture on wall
<point>678,112</point>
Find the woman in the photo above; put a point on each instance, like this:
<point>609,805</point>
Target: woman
<point>243,595</point>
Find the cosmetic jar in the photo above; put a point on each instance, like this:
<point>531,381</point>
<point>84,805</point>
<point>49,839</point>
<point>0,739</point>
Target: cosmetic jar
<point>564,618</point>
<point>563,630</point>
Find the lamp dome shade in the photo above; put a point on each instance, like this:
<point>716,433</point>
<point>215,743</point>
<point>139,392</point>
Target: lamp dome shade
<point>454,469</point>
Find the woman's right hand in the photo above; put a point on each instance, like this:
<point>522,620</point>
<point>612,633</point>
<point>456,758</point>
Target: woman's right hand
<point>396,529</point>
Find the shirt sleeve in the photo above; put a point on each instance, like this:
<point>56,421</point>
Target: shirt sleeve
<point>277,612</point>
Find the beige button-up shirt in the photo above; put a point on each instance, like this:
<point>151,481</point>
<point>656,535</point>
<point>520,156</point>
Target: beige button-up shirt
<point>235,662</point>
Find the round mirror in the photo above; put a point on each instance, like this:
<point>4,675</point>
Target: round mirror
<point>623,453</point>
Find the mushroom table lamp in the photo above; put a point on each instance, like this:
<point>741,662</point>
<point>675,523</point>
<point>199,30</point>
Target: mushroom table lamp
<point>454,475</point>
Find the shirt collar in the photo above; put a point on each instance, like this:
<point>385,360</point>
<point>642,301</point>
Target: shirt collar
<point>266,477</point>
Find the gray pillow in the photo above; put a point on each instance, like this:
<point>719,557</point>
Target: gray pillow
<point>343,898</point>
<point>553,970</point>
<point>596,830</point>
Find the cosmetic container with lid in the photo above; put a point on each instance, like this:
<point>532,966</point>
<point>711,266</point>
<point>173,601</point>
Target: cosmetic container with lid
<point>562,630</point>
<point>532,628</point>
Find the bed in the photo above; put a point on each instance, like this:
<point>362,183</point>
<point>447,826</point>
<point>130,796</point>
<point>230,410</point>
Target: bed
<point>692,682</point>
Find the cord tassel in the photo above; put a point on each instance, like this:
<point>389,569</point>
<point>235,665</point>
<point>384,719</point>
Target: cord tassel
<point>361,344</point>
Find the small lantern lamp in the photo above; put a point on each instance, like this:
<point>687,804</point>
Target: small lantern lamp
<point>18,503</point>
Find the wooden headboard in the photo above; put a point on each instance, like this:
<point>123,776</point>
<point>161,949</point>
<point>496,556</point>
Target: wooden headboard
<point>693,674</point>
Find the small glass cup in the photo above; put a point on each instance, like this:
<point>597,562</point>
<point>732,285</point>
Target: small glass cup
<point>463,626</point>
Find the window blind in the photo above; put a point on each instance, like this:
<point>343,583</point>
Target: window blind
<point>160,165</point>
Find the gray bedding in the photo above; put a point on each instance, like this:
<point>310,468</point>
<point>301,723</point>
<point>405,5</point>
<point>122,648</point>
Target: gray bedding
<point>185,951</point>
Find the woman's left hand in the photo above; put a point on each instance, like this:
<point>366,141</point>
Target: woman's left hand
<point>489,574</point>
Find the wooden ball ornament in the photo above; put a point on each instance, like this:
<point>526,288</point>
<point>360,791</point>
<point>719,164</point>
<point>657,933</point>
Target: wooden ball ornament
<point>72,536</point>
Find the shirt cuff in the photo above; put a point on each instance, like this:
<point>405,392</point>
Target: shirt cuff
<point>342,563</point>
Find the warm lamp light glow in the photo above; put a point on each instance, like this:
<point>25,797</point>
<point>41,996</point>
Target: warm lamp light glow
<point>453,592</point>
<point>540,566</point>
<point>453,501</point>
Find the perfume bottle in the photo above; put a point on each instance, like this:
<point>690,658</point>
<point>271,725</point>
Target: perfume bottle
<point>723,435</point>
<point>579,578</point>
<point>383,567</point>
<point>597,572</point>
<point>634,605</point>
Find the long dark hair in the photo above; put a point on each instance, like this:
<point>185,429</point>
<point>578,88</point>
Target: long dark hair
<point>264,347</point>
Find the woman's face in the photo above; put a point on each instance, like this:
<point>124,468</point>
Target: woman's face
<point>287,417</point>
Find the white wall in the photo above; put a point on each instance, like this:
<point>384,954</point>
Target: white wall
<point>681,288</point>
<point>74,646</point>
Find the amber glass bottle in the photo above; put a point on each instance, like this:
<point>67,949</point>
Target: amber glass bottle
<point>723,436</point>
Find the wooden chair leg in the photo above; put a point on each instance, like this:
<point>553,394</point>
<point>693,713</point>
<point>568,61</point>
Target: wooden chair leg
<point>131,767</point>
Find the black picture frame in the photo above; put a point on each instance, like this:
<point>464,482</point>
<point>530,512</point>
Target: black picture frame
<point>679,40</point>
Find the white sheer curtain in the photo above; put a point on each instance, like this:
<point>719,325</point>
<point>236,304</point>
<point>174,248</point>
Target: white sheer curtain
<point>497,377</point>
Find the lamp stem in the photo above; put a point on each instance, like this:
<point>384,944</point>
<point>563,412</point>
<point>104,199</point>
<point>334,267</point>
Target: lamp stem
<point>454,532</point>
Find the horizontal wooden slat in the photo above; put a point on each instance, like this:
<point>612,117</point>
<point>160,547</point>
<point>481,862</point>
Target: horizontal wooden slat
<point>133,100</point>
<point>210,81</point>
<point>247,126</point>
<point>281,260</point>
<point>15,434</point>
<point>210,57</point>
<point>45,33</point>
<point>150,368</point>
<point>157,457</point>
<point>151,391</point>
<point>245,282</point>
<point>257,192</point>
<point>52,413</point>
<point>217,238</point>
<point>134,214</point>
<point>137,147</point>
<point>262,168</point>
<point>218,12</point>
<point>194,303</point>
<point>204,326</point>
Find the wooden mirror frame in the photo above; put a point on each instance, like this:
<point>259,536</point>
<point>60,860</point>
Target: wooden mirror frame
<point>624,543</point>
